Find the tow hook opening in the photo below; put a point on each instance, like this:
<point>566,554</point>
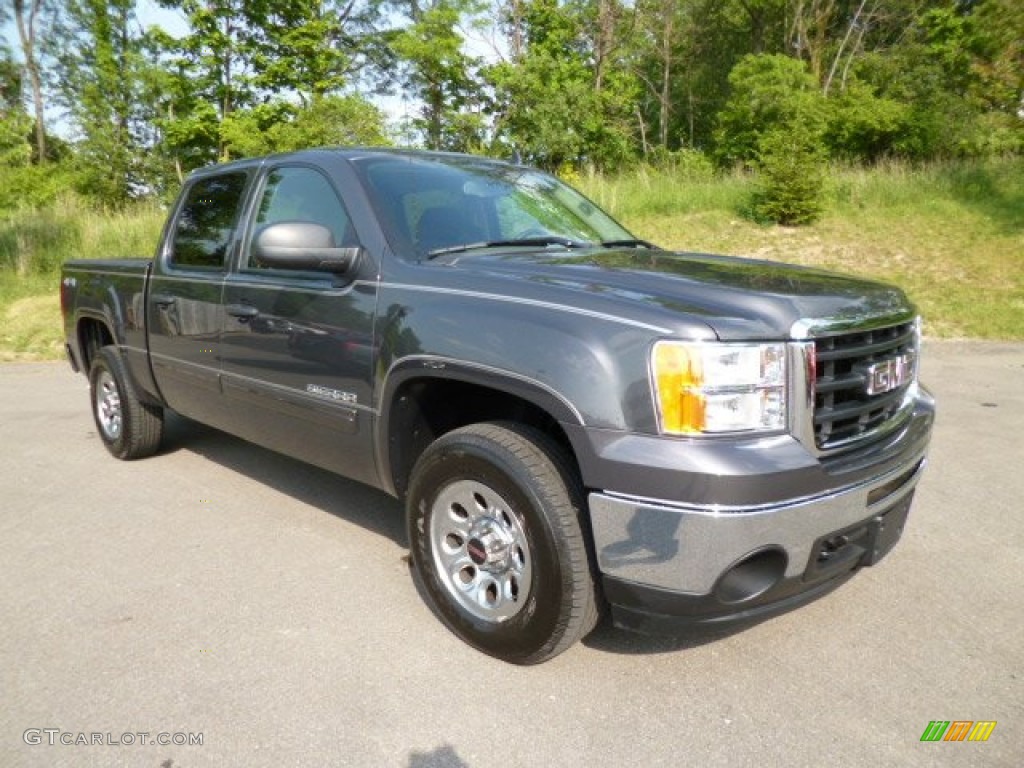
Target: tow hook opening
<point>751,576</point>
<point>830,548</point>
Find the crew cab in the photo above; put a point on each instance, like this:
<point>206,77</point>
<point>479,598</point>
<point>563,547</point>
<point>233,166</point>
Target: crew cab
<point>575,419</point>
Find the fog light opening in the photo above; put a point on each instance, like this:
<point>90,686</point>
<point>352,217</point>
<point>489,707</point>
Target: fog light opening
<point>751,576</point>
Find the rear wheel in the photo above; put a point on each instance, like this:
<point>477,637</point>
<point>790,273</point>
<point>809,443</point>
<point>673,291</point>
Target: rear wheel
<point>129,428</point>
<point>494,526</point>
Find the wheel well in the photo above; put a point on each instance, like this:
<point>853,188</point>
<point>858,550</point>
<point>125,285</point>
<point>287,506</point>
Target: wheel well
<point>425,409</point>
<point>93,335</point>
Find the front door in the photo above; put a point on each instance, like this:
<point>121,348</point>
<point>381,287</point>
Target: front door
<point>297,347</point>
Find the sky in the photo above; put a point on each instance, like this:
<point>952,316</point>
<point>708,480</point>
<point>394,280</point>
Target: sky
<point>150,13</point>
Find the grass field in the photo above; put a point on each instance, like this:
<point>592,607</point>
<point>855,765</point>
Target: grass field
<point>951,235</point>
<point>33,245</point>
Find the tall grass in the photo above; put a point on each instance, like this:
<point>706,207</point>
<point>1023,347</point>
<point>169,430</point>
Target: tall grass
<point>37,242</point>
<point>950,234</point>
<point>688,186</point>
<point>33,246</point>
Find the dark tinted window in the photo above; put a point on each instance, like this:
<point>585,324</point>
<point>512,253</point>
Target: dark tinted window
<point>202,232</point>
<point>302,194</point>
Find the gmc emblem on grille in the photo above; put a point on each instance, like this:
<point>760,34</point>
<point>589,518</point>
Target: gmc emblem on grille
<point>889,374</point>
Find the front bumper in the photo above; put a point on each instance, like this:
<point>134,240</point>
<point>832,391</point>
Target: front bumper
<point>668,564</point>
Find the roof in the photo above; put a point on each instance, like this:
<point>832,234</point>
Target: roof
<point>348,153</point>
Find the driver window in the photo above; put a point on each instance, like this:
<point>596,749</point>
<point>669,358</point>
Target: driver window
<point>302,194</point>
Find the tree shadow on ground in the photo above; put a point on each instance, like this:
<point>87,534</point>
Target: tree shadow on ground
<point>990,189</point>
<point>442,757</point>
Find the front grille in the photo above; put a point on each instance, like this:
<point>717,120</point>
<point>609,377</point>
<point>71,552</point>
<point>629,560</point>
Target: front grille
<point>843,409</point>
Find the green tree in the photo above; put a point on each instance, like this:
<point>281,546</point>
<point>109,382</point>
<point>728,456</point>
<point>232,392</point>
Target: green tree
<point>27,18</point>
<point>213,64</point>
<point>239,82</point>
<point>312,48</point>
<point>660,25</point>
<point>683,51</point>
<point>862,125</point>
<point>768,92</point>
<point>282,127</point>
<point>24,183</point>
<point>184,127</point>
<point>98,59</point>
<point>929,74</point>
<point>551,106</point>
<point>15,125</point>
<point>997,63</point>
<point>997,46</point>
<point>439,72</point>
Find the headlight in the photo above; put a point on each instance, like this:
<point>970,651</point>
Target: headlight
<point>714,388</point>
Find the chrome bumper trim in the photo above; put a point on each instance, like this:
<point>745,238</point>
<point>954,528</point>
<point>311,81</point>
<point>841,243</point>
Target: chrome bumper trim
<point>686,548</point>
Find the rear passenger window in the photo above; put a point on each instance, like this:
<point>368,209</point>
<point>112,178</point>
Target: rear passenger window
<point>203,229</point>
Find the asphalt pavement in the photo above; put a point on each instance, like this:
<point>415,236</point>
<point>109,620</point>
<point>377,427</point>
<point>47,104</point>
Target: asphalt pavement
<point>222,594</point>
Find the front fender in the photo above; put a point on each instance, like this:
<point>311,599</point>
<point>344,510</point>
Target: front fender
<point>582,369</point>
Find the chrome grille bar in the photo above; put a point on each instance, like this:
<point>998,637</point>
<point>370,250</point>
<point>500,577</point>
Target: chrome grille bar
<point>844,409</point>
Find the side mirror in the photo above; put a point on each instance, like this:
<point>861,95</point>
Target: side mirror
<point>302,245</point>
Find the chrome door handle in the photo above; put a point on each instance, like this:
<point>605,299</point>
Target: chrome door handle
<point>162,299</point>
<point>242,311</point>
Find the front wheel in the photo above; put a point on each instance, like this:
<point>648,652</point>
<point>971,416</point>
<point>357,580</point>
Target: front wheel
<point>129,428</point>
<point>493,514</point>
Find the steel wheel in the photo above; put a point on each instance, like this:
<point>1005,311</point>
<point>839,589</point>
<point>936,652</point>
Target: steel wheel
<point>493,515</point>
<point>128,427</point>
<point>108,406</point>
<point>481,551</point>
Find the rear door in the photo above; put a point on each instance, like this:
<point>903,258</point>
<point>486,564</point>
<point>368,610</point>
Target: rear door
<point>184,309</point>
<point>297,346</point>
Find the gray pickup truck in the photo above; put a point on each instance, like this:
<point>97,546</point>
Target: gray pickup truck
<point>575,419</point>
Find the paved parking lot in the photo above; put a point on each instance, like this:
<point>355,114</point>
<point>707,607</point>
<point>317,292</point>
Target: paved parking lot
<point>222,591</point>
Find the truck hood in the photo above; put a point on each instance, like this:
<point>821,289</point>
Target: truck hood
<point>736,298</point>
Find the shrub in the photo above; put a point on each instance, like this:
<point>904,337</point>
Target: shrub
<point>684,164</point>
<point>864,126</point>
<point>791,166</point>
<point>35,186</point>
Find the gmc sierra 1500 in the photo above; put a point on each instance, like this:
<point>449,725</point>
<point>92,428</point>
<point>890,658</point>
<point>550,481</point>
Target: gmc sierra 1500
<point>574,417</point>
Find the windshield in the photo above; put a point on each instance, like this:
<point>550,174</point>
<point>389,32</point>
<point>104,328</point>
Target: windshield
<point>432,205</point>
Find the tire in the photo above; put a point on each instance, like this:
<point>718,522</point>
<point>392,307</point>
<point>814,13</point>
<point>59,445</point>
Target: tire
<point>494,522</point>
<point>129,428</point>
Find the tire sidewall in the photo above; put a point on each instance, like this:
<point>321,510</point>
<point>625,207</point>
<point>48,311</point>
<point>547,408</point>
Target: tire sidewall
<point>531,629</point>
<point>102,363</point>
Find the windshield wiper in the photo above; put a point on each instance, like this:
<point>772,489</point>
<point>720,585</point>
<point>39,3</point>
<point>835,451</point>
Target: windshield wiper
<point>629,243</point>
<point>565,242</point>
